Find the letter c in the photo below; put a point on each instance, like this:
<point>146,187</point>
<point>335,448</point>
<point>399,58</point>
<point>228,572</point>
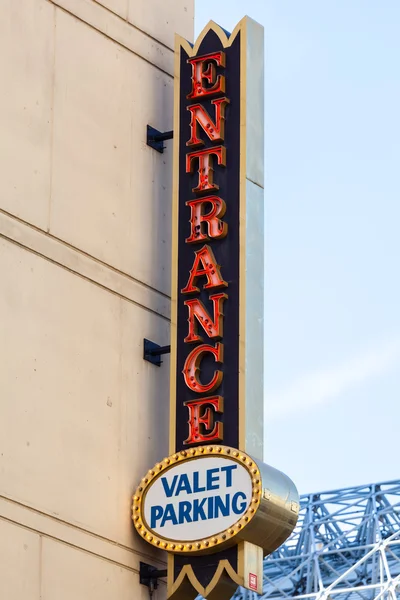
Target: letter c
<point>192,366</point>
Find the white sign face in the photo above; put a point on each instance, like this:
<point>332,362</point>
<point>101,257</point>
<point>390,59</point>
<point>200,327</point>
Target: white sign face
<point>197,498</point>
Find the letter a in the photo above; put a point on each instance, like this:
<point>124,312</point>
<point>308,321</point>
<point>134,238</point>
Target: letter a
<point>210,269</point>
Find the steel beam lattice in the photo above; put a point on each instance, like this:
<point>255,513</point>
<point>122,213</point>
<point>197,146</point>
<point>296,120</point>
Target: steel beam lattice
<point>346,546</point>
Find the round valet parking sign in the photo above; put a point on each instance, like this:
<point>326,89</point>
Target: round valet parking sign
<point>197,499</point>
<point>203,496</point>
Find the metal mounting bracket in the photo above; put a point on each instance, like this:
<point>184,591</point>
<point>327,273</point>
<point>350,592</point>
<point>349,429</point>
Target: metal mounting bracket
<point>152,352</point>
<point>156,138</point>
<point>149,576</point>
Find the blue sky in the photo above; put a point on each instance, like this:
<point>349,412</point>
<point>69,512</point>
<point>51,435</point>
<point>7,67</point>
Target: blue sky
<point>332,198</point>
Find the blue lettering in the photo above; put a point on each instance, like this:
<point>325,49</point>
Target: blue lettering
<point>155,515</point>
<point>212,478</point>
<point>211,507</point>
<point>169,515</point>
<point>221,507</point>
<point>239,509</point>
<point>228,471</point>
<point>183,485</point>
<point>167,489</point>
<point>196,487</point>
<point>184,512</point>
<point>198,510</point>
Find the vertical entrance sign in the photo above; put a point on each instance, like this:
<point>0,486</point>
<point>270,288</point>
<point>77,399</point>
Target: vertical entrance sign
<point>218,240</point>
<point>212,503</point>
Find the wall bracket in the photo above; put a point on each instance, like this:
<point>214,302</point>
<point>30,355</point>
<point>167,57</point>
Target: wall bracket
<point>149,576</point>
<point>152,352</point>
<point>156,138</point>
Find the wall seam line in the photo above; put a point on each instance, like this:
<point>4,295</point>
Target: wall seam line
<point>255,183</point>
<point>70,526</point>
<point>53,93</point>
<point>130,24</point>
<point>83,253</point>
<point>93,281</point>
<point>43,535</point>
<point>81,20</point>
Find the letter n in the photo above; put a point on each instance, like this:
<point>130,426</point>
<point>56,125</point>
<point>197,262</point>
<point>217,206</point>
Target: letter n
<point>212,326</point>
<point>213,129</point>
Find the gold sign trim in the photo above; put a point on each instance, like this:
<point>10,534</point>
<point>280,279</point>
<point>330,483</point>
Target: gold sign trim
<point>212,543</point>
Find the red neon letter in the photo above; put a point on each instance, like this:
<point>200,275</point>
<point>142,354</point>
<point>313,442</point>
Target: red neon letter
<point>204,68</point>
<point>215,226</point>
<point>213,405</point>
<point>205,166</point>
<point>215,131</point>
<point>210,269</point>
<point>212,327</point>
<point>192,366</point>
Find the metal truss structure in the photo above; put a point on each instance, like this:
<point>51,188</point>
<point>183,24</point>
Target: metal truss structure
<point>346,546</point>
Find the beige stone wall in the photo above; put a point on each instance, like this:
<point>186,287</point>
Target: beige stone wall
<point>85,268</point>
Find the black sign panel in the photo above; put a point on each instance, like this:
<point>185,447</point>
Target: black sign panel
<point>225,249</point>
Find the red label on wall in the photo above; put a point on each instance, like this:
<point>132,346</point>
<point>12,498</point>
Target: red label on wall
<point>252,581</point>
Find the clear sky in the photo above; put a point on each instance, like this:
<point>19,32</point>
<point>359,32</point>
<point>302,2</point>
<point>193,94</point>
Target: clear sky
<point>332,200</point>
